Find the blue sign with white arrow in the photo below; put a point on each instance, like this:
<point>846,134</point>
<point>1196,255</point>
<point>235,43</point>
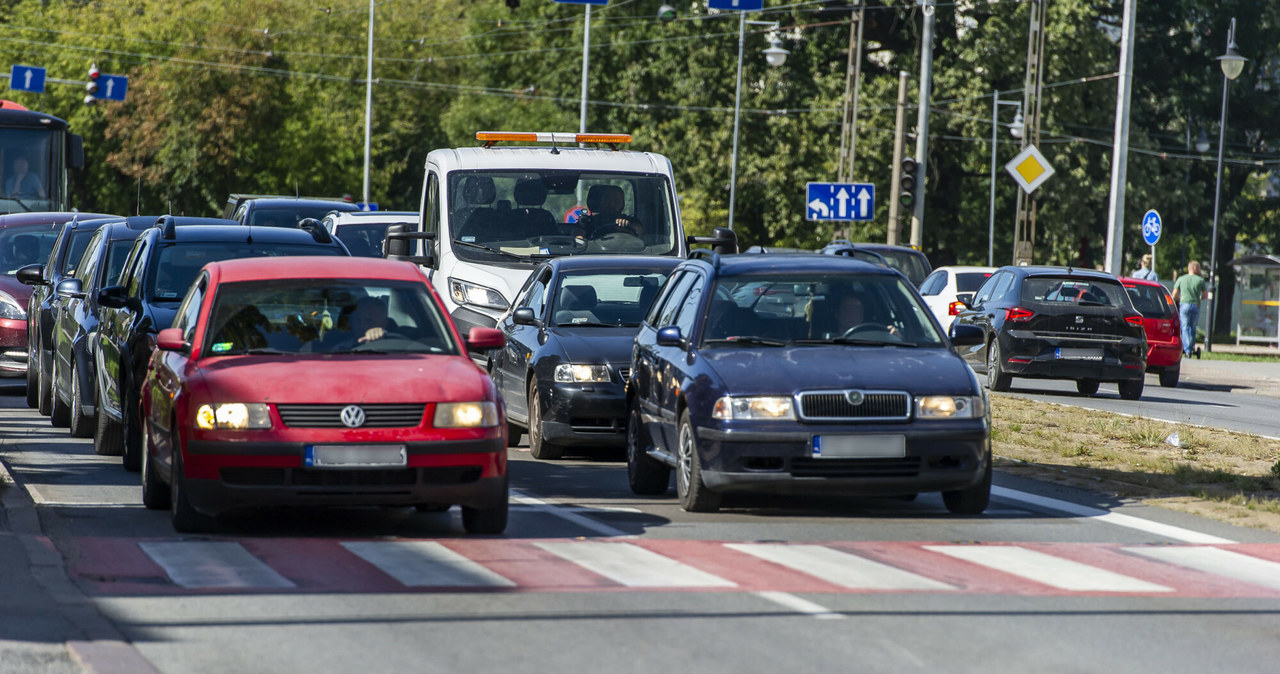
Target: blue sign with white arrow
<point>742,5</point>
<point>112,87</point>
<point>840,201</point>
<point>27,78</point>
<point>584,2</point>
<point>1151,227</point>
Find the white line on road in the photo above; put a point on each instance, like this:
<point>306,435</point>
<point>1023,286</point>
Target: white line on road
<point>426,564</point>
<point>206,564</point>
<point>567,514</point>
<point>1234,565</point>
<point>801,605</point>
<point>1166,530</point>
<point>1047,569</point>
<point>839,568</point>
<point>632,565</point>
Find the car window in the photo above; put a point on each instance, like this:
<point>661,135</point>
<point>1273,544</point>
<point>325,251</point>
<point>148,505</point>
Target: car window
<point>288,216</point>
<point>79,242</point>
<point>536,295</point>
<point>177,264</point>
<point>89,261</point>
<point>664,294</point>
<point>1084,292</point>
<point>189,312</point>
<point>912,264</point>
<point>117,254</point>
<point>687,314</point>
<point>1002,287</point>
<point>432,215</point>
<point>137,265</point>
<point>934,284</point>
<point>618,297</point>
<point>675,298</point>
<point>24,245</point>
<point>984,292</point>
<point>1150,301</point>
<point>364,240</point>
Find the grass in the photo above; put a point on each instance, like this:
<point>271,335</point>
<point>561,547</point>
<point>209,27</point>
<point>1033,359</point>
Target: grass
<point>1240,357</point>
<point>1229,476</point>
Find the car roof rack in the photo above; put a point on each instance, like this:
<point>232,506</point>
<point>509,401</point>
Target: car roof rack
<point>317,230</point>
<point>168,227</point>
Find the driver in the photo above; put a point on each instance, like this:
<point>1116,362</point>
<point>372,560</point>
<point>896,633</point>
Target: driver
<point>606,203</point>
<point>851,313</point>
<point>369,320</point>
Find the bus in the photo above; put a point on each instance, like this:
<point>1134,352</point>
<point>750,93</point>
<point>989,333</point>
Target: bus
<point>36,153</point>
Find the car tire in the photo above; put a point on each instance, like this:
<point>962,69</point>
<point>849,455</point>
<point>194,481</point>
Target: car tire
<point>108,437</point>
<point>44,405</point>
<point>1087,387</point>
<point>155,493</point>
<point>997,380</point>
<point>186,519</point>
<point>1131,390</point>
<point>970,500</point>
<point>33,378</point>
<point>513,435</point>
<point>694,495</point>
<point>1169,376</point>
<point>81,425</point>
<point>60,413</point>
<point>131,450</point>
<point>487,520</point>
<point>539,447</point>
<point>646,476</point>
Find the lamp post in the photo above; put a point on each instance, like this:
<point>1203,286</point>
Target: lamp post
<point>775,56</point>
<point>368,107</point>
<point>1232,65</point>
<point>1015,130</point>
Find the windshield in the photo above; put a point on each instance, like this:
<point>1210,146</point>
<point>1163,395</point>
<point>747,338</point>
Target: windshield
<point>1090,292</point>
<point>325,316</point>
<point>29,244</point>
<point>178,263</point>
<point>364,240</point>
<point>606,299</point>
<point>515,216</point>
<point>24,171</point>
<point>817,308</point>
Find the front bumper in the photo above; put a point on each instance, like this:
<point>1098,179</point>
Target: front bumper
<point>585,414</point>
<point>13,347</point>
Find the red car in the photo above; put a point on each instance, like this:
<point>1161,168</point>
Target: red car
<point>1160,320</point>
<point>320,381</point>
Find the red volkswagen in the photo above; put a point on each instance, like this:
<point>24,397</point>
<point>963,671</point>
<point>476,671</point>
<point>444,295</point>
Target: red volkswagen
<point>321,381</point>
<point>1160,321</point>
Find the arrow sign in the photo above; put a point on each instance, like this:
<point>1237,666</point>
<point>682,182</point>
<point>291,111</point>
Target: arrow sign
<point>864,203</point>
<point>843,197</point>
<point>27,78</point>
<point>739,5</point>
<point>112,87</point>
<point>840,201</point>
<point>819,206</point>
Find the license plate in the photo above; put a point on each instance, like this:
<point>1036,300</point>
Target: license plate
<point>1078,354</point>
<point>859,446</point>
<point>355,456</point>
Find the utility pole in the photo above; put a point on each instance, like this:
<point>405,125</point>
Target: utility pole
<point>899,139</point>
<point>853,82</point>
<point>1024,233</point>
<point>1120,151</point>
<point>922,121</point>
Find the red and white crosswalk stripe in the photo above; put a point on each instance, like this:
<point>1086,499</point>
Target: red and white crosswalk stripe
<point>131,566</point>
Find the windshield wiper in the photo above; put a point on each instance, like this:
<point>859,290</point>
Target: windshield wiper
<point>587,324</point>
<point>747,340</point>
<point>263,351</point>
<point>514,256</point>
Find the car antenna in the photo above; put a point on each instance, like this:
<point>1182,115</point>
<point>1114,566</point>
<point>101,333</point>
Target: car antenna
<point>554,149</point>
<point>138,204</point>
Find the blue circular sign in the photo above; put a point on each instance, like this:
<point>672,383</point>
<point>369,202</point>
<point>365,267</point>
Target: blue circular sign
<point>1151,227</point>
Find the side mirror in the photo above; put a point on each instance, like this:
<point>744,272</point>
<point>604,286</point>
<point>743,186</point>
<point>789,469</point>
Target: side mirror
<point>483,339</point>
<point>114,297</point>
<point>75,151</point>
<point>966,335</point>
<point>723,241</point>
<point>170,339</point>
<point>670,336</point>
<point>397,245</point>
<point>524,316</point>
<point>32,275</point>
<point>70,288</point>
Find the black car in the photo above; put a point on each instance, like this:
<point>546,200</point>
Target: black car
<point>75,329</point>
<point>71,235</point>
<point>569,337</point>
<point>912,263</point>
<point>852,390</point>
<point>286,211</point>
<point>161,266</point>
<point>1057,323</point>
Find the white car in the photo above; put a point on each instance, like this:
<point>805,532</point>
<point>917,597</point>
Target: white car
<point>948,285</point>
<point>362,231</point>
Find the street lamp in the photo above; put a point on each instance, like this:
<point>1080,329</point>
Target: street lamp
<point>1015,130</point>
<point>775,56</point>
<point>1232,65</point>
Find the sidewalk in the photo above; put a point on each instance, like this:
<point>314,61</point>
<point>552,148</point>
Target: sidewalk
<point>1261,378</point>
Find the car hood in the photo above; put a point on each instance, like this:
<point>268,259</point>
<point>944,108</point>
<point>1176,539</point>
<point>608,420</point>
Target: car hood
<point>595,345</point>
<point>344,379</point>
<point>766,370</point>
<point>18,291</point>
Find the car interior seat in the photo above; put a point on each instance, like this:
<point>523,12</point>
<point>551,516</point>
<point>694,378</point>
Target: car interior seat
<point>577,305</point>
<point>479,217</point>
<point>534,220</point>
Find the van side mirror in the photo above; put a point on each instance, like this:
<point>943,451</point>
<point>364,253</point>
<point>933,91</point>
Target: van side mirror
<point>723,241</point>
<point>75,151</point>
<point>397,245</point>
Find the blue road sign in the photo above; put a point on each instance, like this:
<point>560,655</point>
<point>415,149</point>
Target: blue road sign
<point>840,201</point>
<point>743,5</point>
<point>112,87</point>
<point>584,2</point>
<point>371,206</point>
<point>1151,227</point>
<point>27,78</point>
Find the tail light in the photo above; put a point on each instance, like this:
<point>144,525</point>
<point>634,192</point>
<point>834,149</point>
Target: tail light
<point>1134,320</point>
<point>955,308</point>
<point>1018,315</point>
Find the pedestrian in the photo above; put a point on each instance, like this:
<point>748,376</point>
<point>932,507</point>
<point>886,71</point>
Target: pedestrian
<point>1188,290</point>
<point>1144,270</point>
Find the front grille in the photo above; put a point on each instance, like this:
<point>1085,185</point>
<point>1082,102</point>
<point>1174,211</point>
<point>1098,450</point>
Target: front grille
<point>909,467</point>
<point>879,405</point>
<point>399,477</point>
<point>407,415</point>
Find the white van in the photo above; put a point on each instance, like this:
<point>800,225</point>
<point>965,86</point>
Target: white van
<point>496,211</point>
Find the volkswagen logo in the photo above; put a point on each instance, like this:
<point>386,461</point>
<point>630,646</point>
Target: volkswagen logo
<point>854,397</point>
<point>353,416</point>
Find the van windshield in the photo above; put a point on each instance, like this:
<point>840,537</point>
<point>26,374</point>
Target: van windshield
<point>520,216</point>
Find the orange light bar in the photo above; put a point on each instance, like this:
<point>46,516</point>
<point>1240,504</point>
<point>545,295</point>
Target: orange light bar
<point>552,137</point>
<point>494,136</point>
<point>603,138</point>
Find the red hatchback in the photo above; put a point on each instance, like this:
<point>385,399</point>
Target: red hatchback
<point>1160,320</point>
<point>320,381</point>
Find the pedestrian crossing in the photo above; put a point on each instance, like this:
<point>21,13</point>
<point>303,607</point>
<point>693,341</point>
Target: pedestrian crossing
<point>271,565</point>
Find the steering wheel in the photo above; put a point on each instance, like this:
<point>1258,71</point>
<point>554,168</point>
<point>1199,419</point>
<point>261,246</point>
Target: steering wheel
<point>360,346</point>
<point>864,327</point>
<point>574,243</point>
<point>615,229</point>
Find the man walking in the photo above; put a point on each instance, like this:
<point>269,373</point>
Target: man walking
<point>1144,270</point>
<point>1188,290</point>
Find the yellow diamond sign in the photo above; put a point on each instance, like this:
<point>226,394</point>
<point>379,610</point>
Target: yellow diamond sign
<point>1029,168</point>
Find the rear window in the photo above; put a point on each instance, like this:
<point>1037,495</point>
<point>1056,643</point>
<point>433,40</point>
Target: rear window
<point>909,263</point>
<point>970,281</point>
<point>289,216</point>
<point>1150,301</point>
<point>364,240</point>
<point>178,264</point>
<point>1084,292</point>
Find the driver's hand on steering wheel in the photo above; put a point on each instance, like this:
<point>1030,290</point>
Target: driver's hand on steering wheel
<point>371,335</point>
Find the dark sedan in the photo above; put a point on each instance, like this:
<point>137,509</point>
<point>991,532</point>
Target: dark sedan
<point>568,352</point>
<point>1057,323</point>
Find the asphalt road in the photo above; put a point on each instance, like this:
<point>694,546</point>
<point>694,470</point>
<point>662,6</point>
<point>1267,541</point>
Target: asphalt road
<point>590,578</point>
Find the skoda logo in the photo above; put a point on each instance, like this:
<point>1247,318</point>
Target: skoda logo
<point>854,397</point>
<point>353,416</point>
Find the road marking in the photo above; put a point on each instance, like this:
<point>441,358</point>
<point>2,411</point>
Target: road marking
<point>568,515</point>
<point>840,568</point>
<point>1166,530</point>
<point>633,566</point>
<point>802,605</point>
<point>207,564</point>
<point>426,564</point>
<point>1233,565</point>
<point>1039,567</point>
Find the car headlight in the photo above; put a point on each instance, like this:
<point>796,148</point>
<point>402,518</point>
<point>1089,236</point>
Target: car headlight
<point>233,416</point>
<point>464,292</point>
<point>466,415</point>
<point>753,407</point>
<point>949,407</point>
<point>570,373</point>
<point>9,308</point>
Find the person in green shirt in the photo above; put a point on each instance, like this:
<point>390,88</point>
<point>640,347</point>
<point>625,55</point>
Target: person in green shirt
<point>1188,290</point>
